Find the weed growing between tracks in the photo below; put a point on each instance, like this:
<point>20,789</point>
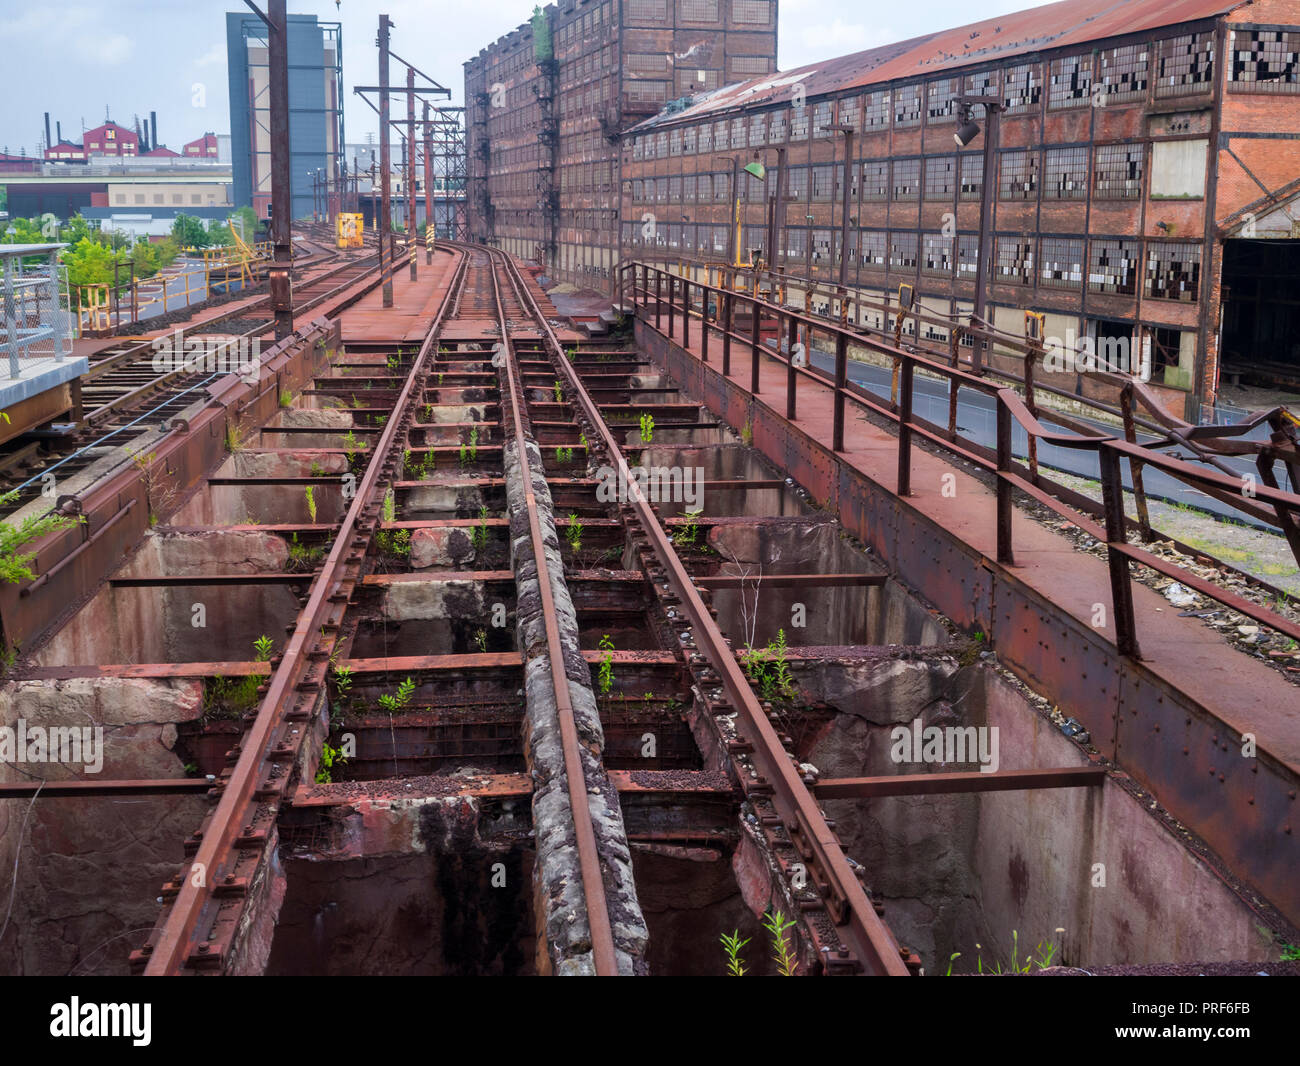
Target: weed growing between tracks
<point>231,697</point>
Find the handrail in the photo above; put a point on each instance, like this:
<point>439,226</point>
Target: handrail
<point>1241,492</point>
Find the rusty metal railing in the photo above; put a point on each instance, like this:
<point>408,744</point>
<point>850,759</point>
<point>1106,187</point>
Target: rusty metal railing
<point>659,293</point>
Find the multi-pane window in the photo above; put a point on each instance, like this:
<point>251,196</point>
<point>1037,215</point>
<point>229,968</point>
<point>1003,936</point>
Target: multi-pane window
<point>1113,266</point>
<point>907,179</point>
<point>675,142</point>
<point>941,96</point>
<point>1060,263</point>
<point>821,246</point>
<point>1173,271</point>
<point>799,123</point>
<point>875,181</point>
<point>1185,65</point>
<point>968,255</point>
<point>1265,61</point>
<point>1117,172</point>
<point>797,191</point>
<point>873,249</point>
<point>907,106</point>
<point>738,132</point>
<point>823,189</point>
<point>796,242</point>
<point>1124,72</point>
<point>1015,260</point>
<point>821,119</point>
<point>849,109</point>
<point>1018,179</point>
<point>902,250</point>
<point>720,135</point>
<point>1023,87</point>
<point>757,12</point>
<point>940,178</point>
<point>1069,82</point>
<point>985,83</point>
<point>1065,174</point>
<point>757,130</point>
<point>876,111</point>
<point>699,10</point>
<point>972,176</point>
<point>674,190</point>
<point>776,128</point>
<point>688,140</point>
<point>705,138</point>
<point>936,254</point>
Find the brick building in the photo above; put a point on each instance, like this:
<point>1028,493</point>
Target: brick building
<point>545,104</point>
<point>204,147</point>
<point>1146,184</point>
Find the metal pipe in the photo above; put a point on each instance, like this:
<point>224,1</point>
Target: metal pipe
<point>281,179</point>
<point>385,179</point>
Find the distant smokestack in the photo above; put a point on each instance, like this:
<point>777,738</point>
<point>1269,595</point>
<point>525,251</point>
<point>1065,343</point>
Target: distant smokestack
<point>153,136</point>
<point>47,129</point>
<point>58,128</point>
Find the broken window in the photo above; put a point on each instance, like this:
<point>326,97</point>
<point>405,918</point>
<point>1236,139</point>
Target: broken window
<point>902,251</point>
<point>1265,61</point>
<point>1015,265</point>
<point>907,179</point>
<point>1019,176</point>
<point>1065,174</point>
<point>874,248</point>
<point>1069,82</point>
<point>1124,73</point>
<point>1185,65</point>
<point>937,257</point>
<point>1117,173</point>
<point>907,106</point>
<point>940,177</point>
<point>1173,271</point>
<point>1023,88</point>
<point>1113,266</point>
<point>1061,263</point>
<point>875,114</point>
<point>875,181</point>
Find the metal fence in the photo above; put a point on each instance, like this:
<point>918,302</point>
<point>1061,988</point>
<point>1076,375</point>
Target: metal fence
<point>34,326</point>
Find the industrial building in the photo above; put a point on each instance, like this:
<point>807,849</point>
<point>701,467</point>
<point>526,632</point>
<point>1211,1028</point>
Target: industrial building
<point>315,108</point>
<point>546,103</point>
<point>1144,190</point>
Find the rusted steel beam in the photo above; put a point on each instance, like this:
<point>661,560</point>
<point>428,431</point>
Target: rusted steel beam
<point>779,581</point>
<point>189,580</point>
<point>90,788</point>
<point>965,781</point>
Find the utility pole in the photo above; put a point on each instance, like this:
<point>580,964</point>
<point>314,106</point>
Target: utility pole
<point>281,179</point>
<point>428,187</point>
<point>410,169</point>
<point>385,182</point>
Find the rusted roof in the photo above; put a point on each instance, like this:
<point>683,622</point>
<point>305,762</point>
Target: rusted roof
<point>1052,26</point>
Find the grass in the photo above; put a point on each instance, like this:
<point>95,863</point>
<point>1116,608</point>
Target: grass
<point>686,536</point>
<point>469,451</point>
<point>310,492</point>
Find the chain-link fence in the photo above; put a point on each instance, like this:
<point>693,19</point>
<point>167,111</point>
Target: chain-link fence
<point>35,328</point>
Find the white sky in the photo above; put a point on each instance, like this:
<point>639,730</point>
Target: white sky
<point>134,56</point>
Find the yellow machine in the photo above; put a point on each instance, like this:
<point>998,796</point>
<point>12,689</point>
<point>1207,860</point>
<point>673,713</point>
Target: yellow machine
<point>350,227</point>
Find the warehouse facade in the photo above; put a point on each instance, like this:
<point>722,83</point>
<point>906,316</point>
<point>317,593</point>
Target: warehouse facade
<point>545,106</point>
<point>1144,190</point>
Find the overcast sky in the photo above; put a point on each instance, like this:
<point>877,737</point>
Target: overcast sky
<point>134,56</point>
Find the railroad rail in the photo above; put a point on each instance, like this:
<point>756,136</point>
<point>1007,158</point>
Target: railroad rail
<point>128,391</point>
<point>853,938</point>
<point>204,915</point>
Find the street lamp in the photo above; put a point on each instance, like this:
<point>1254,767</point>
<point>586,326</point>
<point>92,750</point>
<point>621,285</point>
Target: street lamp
<point>967,130</point>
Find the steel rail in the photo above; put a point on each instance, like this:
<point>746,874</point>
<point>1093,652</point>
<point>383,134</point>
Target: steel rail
<point>856,921</point>
<point>171,952</point>
<point>602,934</point>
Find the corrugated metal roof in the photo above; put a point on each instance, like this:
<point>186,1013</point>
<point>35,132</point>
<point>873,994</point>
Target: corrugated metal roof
<point>1053,26</point>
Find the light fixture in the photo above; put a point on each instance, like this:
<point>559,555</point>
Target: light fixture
<point>966,133</point>
<point>757,169</point>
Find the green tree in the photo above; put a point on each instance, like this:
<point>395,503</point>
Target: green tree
<point>189,232</point>
<point>219,235</point>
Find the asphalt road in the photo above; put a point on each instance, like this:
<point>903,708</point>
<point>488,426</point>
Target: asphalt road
<point>976,418</point>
